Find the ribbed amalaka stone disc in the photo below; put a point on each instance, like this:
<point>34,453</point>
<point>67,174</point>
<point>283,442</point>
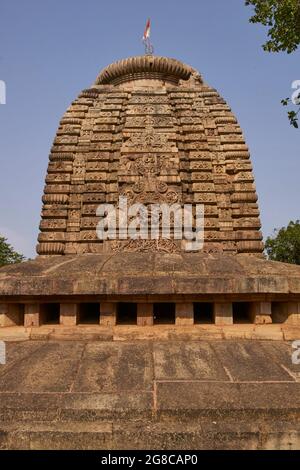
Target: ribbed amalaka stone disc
<point>150,129</point>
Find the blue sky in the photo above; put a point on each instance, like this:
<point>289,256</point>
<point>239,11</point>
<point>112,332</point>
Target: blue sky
<point>50,50</point>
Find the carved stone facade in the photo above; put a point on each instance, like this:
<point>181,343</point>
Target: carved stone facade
<point>149,129</point>
<point>152,130</point>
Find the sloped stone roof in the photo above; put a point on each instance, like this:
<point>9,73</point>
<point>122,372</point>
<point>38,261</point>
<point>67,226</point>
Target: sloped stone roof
<point>148,274</point>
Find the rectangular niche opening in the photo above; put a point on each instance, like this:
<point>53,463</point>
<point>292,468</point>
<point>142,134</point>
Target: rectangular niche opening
<point>16,314</point>
<point>203,312</point>
<point>164,313</point>
<point>21,314</point>
<point>89,314</point>
<point>241,312</point>
<point>50,313</point>
<point>279,312</point>
<point>126,313</point>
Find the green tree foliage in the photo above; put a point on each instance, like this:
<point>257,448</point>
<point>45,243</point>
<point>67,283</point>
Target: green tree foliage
<point>7,254</point>
<point>285,244</point>
<point>282,17</point>
<point>292,115</point>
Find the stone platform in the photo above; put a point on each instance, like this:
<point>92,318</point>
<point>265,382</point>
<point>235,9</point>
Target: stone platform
<point>208,394</point>
<point>187,288</point>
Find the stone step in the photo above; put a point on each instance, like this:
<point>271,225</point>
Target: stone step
<point>154,333</point>
<point>192,402</point>
<point>184,416</point>
<point>79,406</point>
<point>149,435</point>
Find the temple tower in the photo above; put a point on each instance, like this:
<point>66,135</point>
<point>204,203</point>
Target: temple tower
<point>151,129</point>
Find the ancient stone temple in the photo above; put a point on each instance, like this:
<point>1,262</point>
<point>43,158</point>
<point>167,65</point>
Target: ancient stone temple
<point>152,130</point>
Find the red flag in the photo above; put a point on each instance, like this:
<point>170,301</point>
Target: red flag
<point>147,30</point>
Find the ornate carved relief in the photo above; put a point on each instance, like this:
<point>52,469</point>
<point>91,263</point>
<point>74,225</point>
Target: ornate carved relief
<point>148,109</point>
<point>149,138</point>
<point>96,187</point>
<point>161,245</point>
<point>212,248</point>
<point>144,99</point>
<point>58,178</point>
<point>53,224</point>
<point>89,235</point>
<point>155,121</point>
<point>60,167</point>
<point>199,165</point>
<point>66,139</point>
<point>94,197</point>
<point>147,165</point>
<point>151,192</point>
